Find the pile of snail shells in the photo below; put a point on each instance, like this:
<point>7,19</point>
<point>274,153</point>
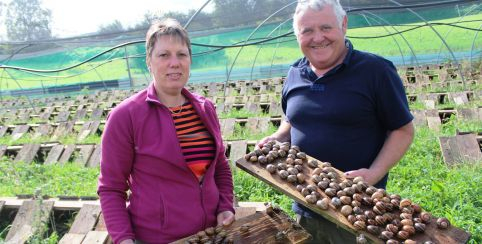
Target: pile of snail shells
<point>366,207</point>
<point>211,235</point>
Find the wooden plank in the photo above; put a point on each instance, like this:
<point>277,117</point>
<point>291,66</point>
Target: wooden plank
<point>84,154</point>
<point>275,109</point>
<point>468,113</point>
<point>100,226</point>
<point>27,153</point>
<point>242,212</point>
<point>97,114</point>
<point>263,124</point>
<point>3,149</point>
<point>63,116</point>
<point>96,237</point>
<point>42,130</point>
<point>238,149</point>
<point>68,151</point>
<point>2,203</point>
<point>19,131</point>
<point>450,235</point>
<point>86,219</point>
<point>263,228</point>
<point>3,130</point>
<point>419,118</point>
<point>252,107</point>
<point>63,129</point>
<point>72,238</point>
<point>228,128</point>
<point>30,216</point>
<point>252,124</point>
<point>460,149</point>
<point>433,119</point>
<point>54,154</point>
<point>459,98</point>
<point>89,128</point>
<point>94,160</point>
<point>220,108</point>
<point>80,114</point>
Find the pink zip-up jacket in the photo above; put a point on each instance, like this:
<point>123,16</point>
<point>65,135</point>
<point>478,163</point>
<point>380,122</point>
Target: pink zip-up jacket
<point>141,152</point>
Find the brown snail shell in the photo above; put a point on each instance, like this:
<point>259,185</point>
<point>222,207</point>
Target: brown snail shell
<point>361,239</point>
<point>409,241</point>
<point>311,199</point>
<point>323,203</point>
<point>349,191</point>
<point>282,153</point>
<point>330,192</point>
<point>345,200</point>
<point>408,228</point>
<point>290,161</point>
<point>271,168</point>
<point>380,220</point>
<point>357,188</point>
<point>305,192</point>
<point>392,228</point>
<point>283,174</point>
<point>361,217</point>
<point>392,241</point>
<point>332,175</point>
<point>389,216</point>
<point>355,203</point>
<point>282,166</point>
<point>380,205</point>
<point>209,231</point>
<point>357,179</point>
<point>403,235</point>
<point>299,168</point>
<point>395,196</point>
<point>367,201</point>
<point>312,187</point>
<point>301,178</point>
<point>420,227</point>
<point>316,179</point>
<point>371,222</point>
<point>253,159</point>
<point>292,152</point>
<point>405,216</point>
<point>363,185</point>
<point>425,217</point>
<point>377,210</point>
<point>408,210</point>
<point>395,203</point>
<point>262,159</point>
<point>295,147</point>
<point>406,222</point>
<point>386,235</point>
<point>340,193</point>
<point>323,185</point>
<point>443,223</point>
<point>357,210</point>
<point>301,155</point>
<point>335,186</point>
<point>347,210</point>
<point>258,152</point>
<point>292,178</point>
<point>417,220</point>
<point>292,171</point>
<point>405,203</point>
<point>373,229</point>
<point>244,228</point>
<point>377,195</point>
<point>416,208</point>
<point>359,225</point>
<point>357,197</point>
<point>351,218</point>
<point>397,223</point>
<point>370,214</point>
<point>299,161</point>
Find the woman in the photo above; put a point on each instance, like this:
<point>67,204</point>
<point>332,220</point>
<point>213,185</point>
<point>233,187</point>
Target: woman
<point>164,145</point>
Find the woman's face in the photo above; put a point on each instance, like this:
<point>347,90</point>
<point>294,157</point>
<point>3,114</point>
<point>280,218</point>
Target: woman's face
<point>170,64</point>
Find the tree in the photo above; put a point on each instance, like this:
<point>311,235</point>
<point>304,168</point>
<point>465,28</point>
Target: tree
<point>113,27</point>
<point>26,20</point>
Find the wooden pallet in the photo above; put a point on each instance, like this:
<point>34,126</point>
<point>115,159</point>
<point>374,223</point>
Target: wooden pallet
<point>450,235</point>
<point>264,228</point>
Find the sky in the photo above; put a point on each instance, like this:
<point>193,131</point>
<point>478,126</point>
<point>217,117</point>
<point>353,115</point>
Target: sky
<point>76,17</point>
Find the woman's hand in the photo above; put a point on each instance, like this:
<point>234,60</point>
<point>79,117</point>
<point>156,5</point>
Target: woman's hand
<point>225,218</point>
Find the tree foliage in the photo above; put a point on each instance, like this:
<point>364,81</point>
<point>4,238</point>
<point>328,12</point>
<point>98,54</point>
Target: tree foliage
<point>115,26</point>
<point>26,20</point>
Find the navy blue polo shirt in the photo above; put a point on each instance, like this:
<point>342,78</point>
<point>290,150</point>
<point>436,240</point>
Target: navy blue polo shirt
<point>344,116</point>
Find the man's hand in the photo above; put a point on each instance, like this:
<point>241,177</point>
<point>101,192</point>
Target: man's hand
<point>264,140</point>
<point>225,218</point>
<point>369,176</point>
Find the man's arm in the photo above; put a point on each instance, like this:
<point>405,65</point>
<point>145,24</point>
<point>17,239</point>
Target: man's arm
<point>282,134</point>
<point>395,146</point>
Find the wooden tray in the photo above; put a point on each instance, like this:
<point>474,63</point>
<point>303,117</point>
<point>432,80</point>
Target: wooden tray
<point>263,228</point>
<point>432,233</point>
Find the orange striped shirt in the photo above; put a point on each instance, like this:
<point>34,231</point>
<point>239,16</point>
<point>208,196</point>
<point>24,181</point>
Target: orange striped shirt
<point>197,144</point>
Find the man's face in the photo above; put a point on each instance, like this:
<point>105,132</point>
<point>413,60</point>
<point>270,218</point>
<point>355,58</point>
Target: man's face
<point>321,39</point>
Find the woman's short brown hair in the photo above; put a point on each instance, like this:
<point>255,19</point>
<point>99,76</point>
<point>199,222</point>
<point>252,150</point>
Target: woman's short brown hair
<point>170,27</point>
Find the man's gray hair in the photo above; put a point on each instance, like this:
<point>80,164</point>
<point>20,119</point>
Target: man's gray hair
<point>318,5</point>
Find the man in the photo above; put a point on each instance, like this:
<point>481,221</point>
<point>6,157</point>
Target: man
<point>342,106</point>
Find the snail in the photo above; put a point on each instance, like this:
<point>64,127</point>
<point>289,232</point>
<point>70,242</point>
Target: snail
<point>301,155</point>
<point>409,228</point>
<point>361,217</point>
<point>370,190</point>
<point>271,168</point>
<point>357,197</point>
<point>355,203</point>
<point>316,171</point>
<point>323,203</point>
<point>359,225</point>
<point>345,200</point>
<point>299,168</point>
<point>357,210</point>
<point>336,202</point>
<point>323,185</point>
<point>305,192</point>
<point>351,218</point>
<point>301,178</point>
<point>392,241</point>
<point>419,227</point>
<point>361,239</point>
<point>312,187</point>
<point>425,217</point>
<point>443,223</point>
<point>283,174</point>
<point>357,179</point>
<point>209,231</point>
<point>409,241</point>
<point>347,210</point>
<point>392,228</point>
<point>373,229</point>
<point>405,203</point>
<point>292,171</point>
<point>403,235</point>
<point>406,222</point>
<point>340,193</point>
<point>311,199</point>
<point>244,228</point>
<point>282,166</point>
<point>335,186</point>
<point>298,161</point>
<point>292,178</point>
<point>330,192</point>
<point>405,216</point>
<point>386,235</point>
<point>370,214</point>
